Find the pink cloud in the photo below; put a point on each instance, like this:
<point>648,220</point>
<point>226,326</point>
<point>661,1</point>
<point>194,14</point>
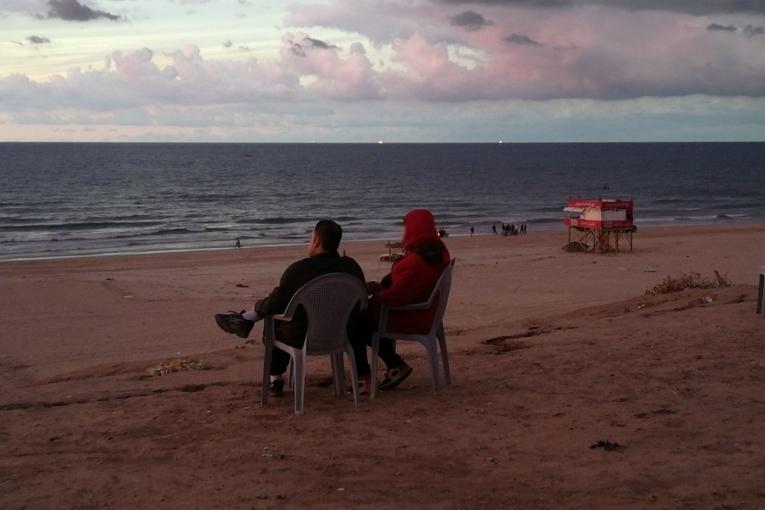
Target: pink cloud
<point>595,52</point>
<point>333,75</point>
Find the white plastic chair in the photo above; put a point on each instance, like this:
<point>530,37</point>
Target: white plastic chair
<point>433,341</point>
<point>328,301</point>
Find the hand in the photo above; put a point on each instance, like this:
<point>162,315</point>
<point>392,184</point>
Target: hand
<point>373,287</point>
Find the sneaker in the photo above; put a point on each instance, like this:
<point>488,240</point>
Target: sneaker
<point>234,324</point>
<point>276,389</point>
<point>395,376</point>
<point>365,384</point>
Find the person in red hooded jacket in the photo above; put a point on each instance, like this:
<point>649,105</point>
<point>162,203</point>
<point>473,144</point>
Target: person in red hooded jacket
<point>411,280</point>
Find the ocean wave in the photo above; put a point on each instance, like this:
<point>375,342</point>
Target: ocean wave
<point>542,221</point>
<point>556,209</point>
<point>13,220</point>
<point>156,233</point>
<point>85,225</point>
<point>203,198</point>
<point>276,220</point>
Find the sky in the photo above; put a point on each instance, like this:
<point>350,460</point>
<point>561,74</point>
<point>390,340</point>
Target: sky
<point>391,70</point>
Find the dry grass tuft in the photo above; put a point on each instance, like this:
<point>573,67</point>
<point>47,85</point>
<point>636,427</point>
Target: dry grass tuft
<point>688,281</point>
<point>178,365</point>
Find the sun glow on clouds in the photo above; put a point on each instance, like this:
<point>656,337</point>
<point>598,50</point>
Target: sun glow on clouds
<point>335,70</point>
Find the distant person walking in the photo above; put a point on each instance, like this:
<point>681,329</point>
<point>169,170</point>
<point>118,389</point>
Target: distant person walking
<point>472,231</point>
<point>238,243</point>
<point>494,228</point>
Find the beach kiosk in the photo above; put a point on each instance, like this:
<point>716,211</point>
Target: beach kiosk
<point>601,223</point>
<point>392,256</point>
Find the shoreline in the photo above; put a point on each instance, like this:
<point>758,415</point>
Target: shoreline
<point>722,223</point>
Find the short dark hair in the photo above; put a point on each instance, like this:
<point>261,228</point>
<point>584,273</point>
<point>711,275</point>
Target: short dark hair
<point>329,233</point>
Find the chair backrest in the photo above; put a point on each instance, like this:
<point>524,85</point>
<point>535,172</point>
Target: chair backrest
<point>442,289</point>
<point>328,301</point>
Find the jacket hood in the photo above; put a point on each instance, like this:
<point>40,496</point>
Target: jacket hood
<point>419,228</point>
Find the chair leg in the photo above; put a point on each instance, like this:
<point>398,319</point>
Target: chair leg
<point>338,373</point>
<point>354,375</point>
<point>444,354</point>
<point>373,367</point>
<point>291,374</point>
<point>266,373</point>
<point>432,349</point>
<point>299,388</point>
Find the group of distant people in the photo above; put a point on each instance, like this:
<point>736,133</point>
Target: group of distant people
<point>513,230</point>
<point>411,280</point>
<point>509,229</point>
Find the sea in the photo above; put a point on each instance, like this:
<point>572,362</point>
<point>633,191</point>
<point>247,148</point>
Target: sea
<point>75,199</point>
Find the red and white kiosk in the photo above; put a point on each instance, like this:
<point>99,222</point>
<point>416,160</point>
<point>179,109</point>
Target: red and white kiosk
<point>601,224</point>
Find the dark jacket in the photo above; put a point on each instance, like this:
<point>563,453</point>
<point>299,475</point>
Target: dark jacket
<point>413,277</point>
<point>297,275</point>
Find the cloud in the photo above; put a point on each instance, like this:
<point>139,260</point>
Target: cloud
<point>594,53</point>
<point>692,118</point>
<point>22,6</point>
<point>381,22</point>
<point>714,27</point>
<point>72,10</point>
<point>695,7</point>
<point>470,20</point>
<point>36,39</point>
<point>299,48</point>
<point>317,43</point>
<point>748,30</point>
<point>522,40</point>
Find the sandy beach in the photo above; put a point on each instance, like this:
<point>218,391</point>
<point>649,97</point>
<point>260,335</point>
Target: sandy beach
<point>571,387</point>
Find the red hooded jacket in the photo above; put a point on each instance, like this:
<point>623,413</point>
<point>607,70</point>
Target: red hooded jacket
<point>413,277</point>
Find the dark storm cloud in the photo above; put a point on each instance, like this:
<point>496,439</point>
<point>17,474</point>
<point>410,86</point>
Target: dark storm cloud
<point>72,10</point>
<point>697,7</point>
<point>714,27</point>
<point>298,48</point>
<point>318,43</point>
<point>470,20</point>
<point>522,40</point>
<point>36,39</point>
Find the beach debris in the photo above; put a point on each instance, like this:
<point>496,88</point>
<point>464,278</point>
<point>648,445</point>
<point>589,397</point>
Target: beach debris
<point>608,446</point>
<point>574,246</point>
<point>688,281</point>
<point>242,285</point>
<point>178,365</point>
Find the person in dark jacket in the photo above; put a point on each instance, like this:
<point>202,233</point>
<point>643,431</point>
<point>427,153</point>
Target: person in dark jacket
<point>322,258</point>
<point>411,280</point>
